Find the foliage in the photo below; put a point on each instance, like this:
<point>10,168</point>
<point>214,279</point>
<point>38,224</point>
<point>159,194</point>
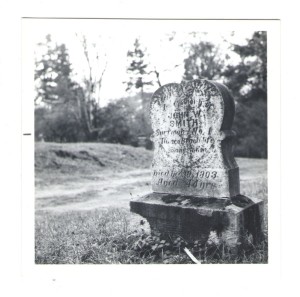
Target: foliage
<point>52,72</point>
<point>248,82</point>
<point>67,112</point>
<point>58,113</point>
<point>124,120</point>
<point>139,77</point>
<point>249,77</point>
<point>138,69</point>
<point>57,124</point>
<point>116,120</point>
<point>213,251</point>
<point>251,126</point>
<point>204,61</point>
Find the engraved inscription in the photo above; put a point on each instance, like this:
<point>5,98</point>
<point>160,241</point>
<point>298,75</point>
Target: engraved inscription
<point>188,157</point>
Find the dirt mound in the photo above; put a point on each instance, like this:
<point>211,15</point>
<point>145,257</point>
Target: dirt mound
<point>86,157</point>
<point>82,155</point>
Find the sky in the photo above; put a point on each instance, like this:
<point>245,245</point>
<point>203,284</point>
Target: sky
<point>111,40</point>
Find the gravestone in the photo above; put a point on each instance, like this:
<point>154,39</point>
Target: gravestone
<point>195,179</point>
<point>192,138</point>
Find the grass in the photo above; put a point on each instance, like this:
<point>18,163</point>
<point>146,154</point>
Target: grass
<point>114,235</point>
<point>87,157</point>
<point>109,237</point>
<point>84,237</point>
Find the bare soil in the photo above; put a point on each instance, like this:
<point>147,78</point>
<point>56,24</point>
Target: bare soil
<point>87,176</point>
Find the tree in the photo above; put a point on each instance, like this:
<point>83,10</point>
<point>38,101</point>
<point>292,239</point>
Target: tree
<point>93,83</point>
<point>139,77</point>
<point>52,72</point>
<point>250,75</point>
<point>57,94</point>
<point>248,82</point>
<point>124,120</point>
<point>204,61</point>
<point>137,69</point>
<point>117,121</point>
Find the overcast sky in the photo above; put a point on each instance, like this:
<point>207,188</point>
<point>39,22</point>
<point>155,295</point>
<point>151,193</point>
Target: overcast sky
<point>113,39</point>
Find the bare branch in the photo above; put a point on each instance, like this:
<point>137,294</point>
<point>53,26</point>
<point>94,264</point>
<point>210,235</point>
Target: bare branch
<point>93,84</point>
<point>157,73</point>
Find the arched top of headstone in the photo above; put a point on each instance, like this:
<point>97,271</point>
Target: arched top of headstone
<point>197,92</point>
<point>192,137</point>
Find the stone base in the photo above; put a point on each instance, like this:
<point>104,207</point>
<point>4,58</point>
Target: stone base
<point>194,218</point>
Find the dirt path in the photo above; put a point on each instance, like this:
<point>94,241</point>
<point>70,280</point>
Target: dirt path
<point>110,190</point>
<point>115,189</point>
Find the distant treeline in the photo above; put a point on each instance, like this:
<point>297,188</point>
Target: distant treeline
<point>68,112</point>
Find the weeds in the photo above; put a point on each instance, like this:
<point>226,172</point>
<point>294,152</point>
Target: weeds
<point>117,236</point>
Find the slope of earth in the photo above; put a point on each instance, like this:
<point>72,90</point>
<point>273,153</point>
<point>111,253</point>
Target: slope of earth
<point>87,176</point>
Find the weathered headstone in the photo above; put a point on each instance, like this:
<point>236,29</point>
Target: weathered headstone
<point>192,138</point>
<point>195,178</point>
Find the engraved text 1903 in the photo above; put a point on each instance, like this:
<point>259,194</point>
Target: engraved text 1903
<point>192,137</point>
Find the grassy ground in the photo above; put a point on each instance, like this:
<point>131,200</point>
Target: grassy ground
<point>86,158</point>
<point>82,208</point>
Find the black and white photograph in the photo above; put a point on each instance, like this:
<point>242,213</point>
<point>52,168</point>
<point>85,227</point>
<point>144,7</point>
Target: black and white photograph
<point>149,148</point>
<point>140,134</point>
<point>150,142</point>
